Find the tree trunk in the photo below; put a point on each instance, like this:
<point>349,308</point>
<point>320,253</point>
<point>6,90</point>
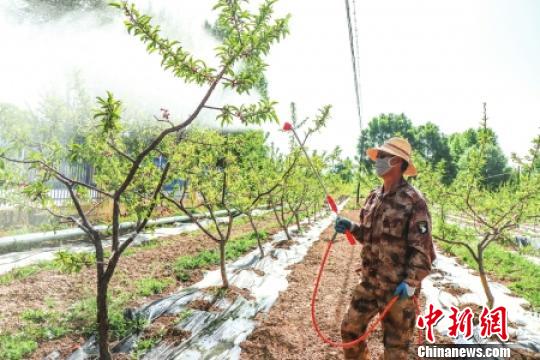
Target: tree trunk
<point>254,227</point>
<point>102,309</point>
<point>285,226</point>
<point>297,218</point>
<point>286,230</point>
<point>281,222</point>
<point>222,264</point>
<point>103,317</point>
<point>484,280</point>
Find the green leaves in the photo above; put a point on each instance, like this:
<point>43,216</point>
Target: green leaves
<point>109,114</point>
<point>75,152</point>
<point>71,262</point>
<point>37,190</point>
<point>257,114</point>
<point>116,4</point>
<point>174,58</point>
<point>246,38</point>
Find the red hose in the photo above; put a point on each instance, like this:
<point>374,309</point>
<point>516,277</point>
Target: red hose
<point>364,336</point>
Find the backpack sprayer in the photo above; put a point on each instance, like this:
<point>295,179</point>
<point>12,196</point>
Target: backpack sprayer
<point>333,207</point>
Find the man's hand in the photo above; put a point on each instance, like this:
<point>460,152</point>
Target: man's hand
<point>404,291</point>
<point>343,225</point>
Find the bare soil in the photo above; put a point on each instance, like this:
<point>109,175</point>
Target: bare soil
<point>286,332</point>
<point>453,289</point>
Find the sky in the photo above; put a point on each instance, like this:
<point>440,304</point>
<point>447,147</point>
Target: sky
<point>433,60</point>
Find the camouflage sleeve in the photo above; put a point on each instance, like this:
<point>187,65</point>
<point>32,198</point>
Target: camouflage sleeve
<point>420,245</point>
<point>357,228</point>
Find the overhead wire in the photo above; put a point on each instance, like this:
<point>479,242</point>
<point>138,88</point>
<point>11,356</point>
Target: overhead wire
<point>353,43</point>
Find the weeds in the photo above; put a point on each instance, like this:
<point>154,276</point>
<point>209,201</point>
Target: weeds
<point>82,317</point>
<point>152,286</point>
<point>144,345</point>
<point>71,262</point>
<point>36,325</point>
<point>24,272</point>
<point>15,347</point>
<point>183,315</point>
<point>234,249</point>
<point>39,325</point>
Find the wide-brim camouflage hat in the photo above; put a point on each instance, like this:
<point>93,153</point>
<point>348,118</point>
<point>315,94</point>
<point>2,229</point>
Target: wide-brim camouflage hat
<point>396,146</point>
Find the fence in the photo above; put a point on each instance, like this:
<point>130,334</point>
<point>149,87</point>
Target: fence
<point>85,174</point>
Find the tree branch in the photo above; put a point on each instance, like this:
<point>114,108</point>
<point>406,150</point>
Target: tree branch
<point>120,152</point>
<point>193,219</point>
<point>119,250</point>
<point>453,242</point>
<point>210,209</point>
<point>139,159</point>
<point>171,124</point>
<point>57,174</point>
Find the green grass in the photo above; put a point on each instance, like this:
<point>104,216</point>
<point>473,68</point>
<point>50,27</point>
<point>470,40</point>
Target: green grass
<point>529,250</point>
<point>71,262</point>
<point>143,346</point>
<point>183,315</point>
<point>523,276</point>
<point>235,248</point>
<point>82,316</point>
<point>64,261</point>
<point>39,325</point>
<point>24,272</point>
<point>15,347</point>
<point>36,316</point>
<point>36,325</point>
<point>152,286</point>
<point>68,262</point>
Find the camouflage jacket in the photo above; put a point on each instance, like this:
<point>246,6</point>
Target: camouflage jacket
<point>395,230</point>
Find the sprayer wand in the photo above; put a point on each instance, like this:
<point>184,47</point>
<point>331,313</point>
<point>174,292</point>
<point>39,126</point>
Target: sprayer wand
<point>331,203</point>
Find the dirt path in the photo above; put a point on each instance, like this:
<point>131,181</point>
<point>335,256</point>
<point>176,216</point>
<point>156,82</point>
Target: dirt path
<point>286,332</point>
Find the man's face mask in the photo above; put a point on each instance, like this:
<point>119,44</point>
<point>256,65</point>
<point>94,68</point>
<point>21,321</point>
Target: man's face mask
<point>383,165</point>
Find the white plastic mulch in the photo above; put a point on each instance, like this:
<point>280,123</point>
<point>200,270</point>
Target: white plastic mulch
<point>18,259</point>
<point>527,323</point>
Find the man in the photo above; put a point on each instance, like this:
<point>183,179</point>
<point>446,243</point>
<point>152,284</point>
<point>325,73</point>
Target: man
<point>395,231</point>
